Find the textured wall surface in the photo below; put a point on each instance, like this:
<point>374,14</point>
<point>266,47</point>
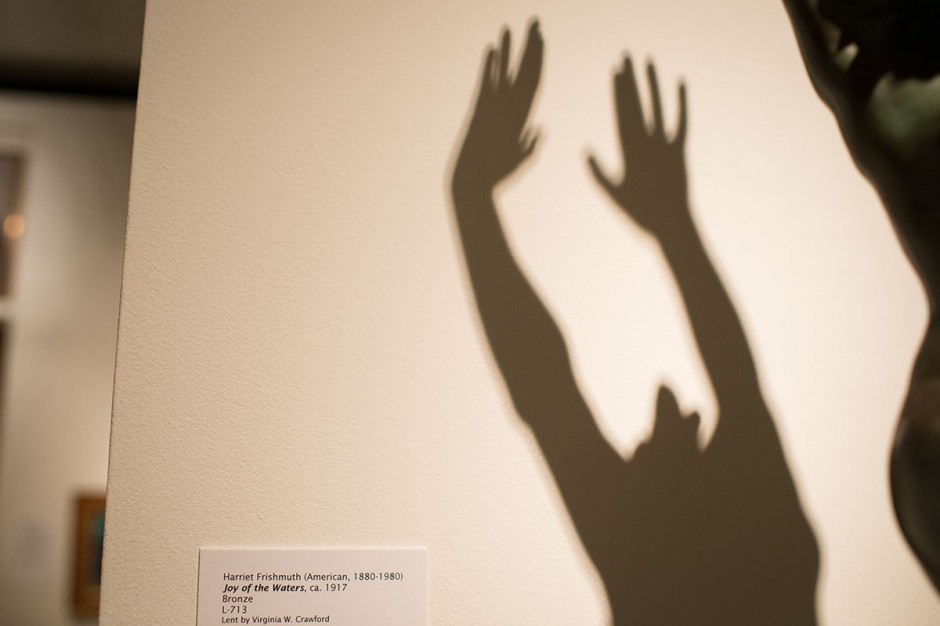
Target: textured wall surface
<point>61,328</point>
<point>300,360</point>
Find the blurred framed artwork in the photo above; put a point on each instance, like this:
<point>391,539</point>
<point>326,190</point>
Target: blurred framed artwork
<point>12,224</point>
<point>89,546</point>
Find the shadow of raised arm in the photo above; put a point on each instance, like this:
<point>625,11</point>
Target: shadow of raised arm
<point>525,341</point>
<point>728,518</point>
<point>653,192</point>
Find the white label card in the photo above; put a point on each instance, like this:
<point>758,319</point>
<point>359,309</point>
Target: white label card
<point>306,586</point>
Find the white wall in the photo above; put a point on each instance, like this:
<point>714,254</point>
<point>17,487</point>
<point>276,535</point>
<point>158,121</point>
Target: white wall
<point>62,320</point>
<point>300,361</point>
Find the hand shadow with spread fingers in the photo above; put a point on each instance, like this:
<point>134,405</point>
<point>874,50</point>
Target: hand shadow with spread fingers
<point>679,535</point>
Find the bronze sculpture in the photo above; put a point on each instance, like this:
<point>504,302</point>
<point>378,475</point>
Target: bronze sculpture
<point>876,65</point>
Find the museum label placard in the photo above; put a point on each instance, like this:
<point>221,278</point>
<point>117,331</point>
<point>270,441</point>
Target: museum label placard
<point>340,587</point>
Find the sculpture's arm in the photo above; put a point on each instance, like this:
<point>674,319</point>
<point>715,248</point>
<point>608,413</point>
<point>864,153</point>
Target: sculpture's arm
<point>891,128</point>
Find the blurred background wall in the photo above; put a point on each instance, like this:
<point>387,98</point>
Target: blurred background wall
<point>68,77</point>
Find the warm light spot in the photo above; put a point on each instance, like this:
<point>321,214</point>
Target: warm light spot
<point>14,226</point>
